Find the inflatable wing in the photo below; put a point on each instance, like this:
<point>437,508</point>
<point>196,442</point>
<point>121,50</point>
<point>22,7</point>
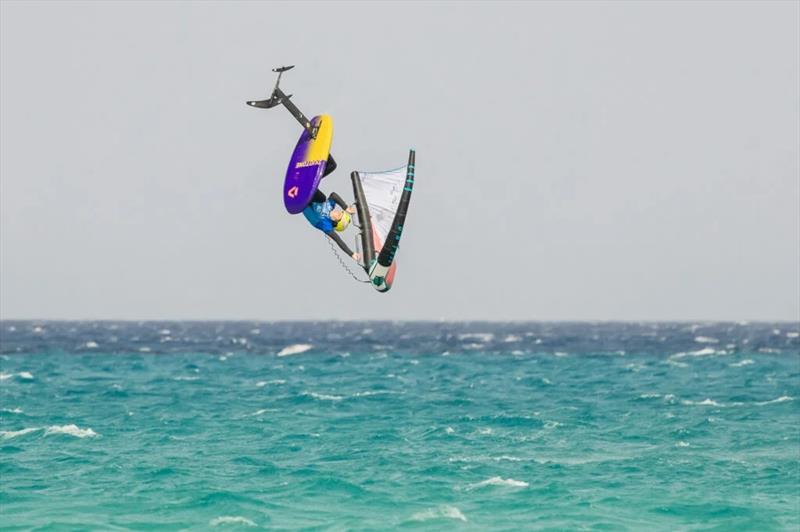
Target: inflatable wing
<point>382,204</point>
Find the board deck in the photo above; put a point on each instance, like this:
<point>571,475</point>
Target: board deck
<point>307,165</point>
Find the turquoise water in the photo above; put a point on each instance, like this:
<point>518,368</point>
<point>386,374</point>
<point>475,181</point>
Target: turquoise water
<point>409,425</point>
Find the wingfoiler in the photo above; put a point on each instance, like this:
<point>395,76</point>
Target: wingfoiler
<point>382,198</point>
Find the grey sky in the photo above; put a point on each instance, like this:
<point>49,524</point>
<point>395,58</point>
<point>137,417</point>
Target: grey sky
<point>625,160</point>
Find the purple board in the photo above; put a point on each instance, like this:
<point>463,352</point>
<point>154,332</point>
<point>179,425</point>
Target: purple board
<point>307,165</point>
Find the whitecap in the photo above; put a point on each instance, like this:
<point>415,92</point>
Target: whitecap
<point>294,349</point>
<point>25,375</point>
<point>499,481</point>
<point>482,337</point>
<point>182,378</point>
<point>677,364</point>
<point>414,361</point>
<point>792,334</point>
<point>164,332</point>
<point>260,412</point>
<point>145,349</point>
<point>560,354</point>
<point>449,430</point>
<point>231,520</point>
<point>706,351</point>
<point>5,376</point>
<point>71,430</point>
<point>8,434</point>
<point>325,397</point>
<point>441,512</point>
<point>261,384</point>
<point>781,399</point>
<point>682,444</point>
<point>704,402</point>
<point>511,338</point>
<point>649,395</point>
<point>371,393</point>
<point>769,350</point>
<point>11,410</point>
<point>705,340</point>
<point>90,345</point>
<point>745,362</point>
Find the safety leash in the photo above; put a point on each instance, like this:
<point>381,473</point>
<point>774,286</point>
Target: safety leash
<point>344,265</point>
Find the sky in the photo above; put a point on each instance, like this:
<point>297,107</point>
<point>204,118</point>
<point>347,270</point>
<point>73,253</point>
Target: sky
<point>575,161</point>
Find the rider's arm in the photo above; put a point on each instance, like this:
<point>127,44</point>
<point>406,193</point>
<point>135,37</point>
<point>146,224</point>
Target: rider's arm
<point>338,199</point>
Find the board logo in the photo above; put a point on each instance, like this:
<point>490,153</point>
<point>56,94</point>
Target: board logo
<point>292,192</point>
<point>304,164</point>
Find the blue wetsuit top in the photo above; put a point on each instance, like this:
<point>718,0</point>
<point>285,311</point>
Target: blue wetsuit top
<point>319,215</point>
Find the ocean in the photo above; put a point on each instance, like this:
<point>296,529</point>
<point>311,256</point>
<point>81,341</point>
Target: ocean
<point>381,425</point>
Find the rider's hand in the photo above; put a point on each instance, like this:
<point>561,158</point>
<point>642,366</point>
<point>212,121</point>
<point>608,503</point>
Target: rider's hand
<point>356,257</point>
<point>351,209</point>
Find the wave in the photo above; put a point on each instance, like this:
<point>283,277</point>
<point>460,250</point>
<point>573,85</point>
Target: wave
<point>11,410</point>
<point>371,393</point>
<point>324,397</point>
<point>70,430</point>
<point>294,349</point>
<point>259,412</point>
<point>261,384</point>
<point>706,351</point>
<point>711,402</point>
<point>8,434</point>
<point>484,459</point>
<point>704,402</point>
<point>745,362</point>
<point>706,340</point>
<point>441,512</point>
<point>499,481</point>
<point>483,337</point>
<point>781,399</point>
<point>231,520</point>
<point>24,375</point>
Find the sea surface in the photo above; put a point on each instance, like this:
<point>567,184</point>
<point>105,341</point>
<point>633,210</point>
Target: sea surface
<point>375,426</point>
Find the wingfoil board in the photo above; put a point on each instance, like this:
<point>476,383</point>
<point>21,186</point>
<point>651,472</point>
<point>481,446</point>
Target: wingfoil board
<point>307,165</point>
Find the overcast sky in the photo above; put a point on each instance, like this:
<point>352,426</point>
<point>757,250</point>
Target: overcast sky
<point>627,160</point>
